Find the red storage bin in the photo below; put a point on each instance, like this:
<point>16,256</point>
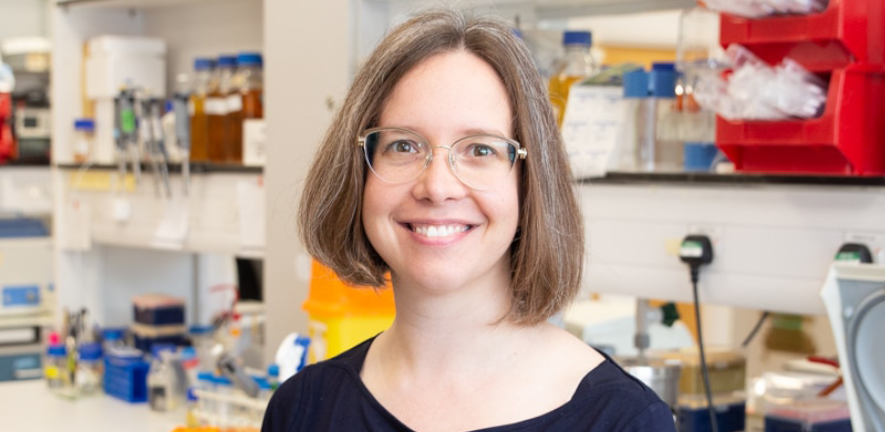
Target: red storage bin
<point>848,139</point>
<point>848,31</point>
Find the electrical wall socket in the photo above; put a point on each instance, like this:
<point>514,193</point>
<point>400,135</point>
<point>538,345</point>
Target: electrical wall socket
<point>873,240</point>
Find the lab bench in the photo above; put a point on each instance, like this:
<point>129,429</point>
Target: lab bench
<point>28,406</point>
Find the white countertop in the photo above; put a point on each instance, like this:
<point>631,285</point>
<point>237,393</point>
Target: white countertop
<point>28,406</point>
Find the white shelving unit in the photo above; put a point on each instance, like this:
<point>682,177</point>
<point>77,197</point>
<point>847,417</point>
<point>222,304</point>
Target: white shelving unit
<point>116,240</point>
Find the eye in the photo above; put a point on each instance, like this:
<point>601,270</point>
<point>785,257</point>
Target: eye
<point>403,146</point>
<point>479,150</point>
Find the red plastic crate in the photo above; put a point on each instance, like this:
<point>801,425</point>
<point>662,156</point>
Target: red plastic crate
<point>848,31</point>
<point>7,143</point>
<point>848,139</point>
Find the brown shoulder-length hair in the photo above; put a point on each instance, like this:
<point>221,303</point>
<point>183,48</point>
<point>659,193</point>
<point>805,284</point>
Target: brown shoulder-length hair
<point>547,253</point>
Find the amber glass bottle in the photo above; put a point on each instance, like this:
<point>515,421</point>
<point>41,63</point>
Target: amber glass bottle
<point>203,69</point>
<point>217,109</point>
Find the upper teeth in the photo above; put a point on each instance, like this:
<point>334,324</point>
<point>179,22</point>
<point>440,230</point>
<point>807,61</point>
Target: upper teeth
<point>438,230</point>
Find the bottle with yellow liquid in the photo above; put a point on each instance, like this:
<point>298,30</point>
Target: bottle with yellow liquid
<point>199,131</point>
<point>575,65</point>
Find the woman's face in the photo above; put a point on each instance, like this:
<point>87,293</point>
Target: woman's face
<point>435,232</point>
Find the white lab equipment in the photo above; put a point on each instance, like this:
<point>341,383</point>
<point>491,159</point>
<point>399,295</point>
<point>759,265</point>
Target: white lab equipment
<point>25,266</point>
<point>117,62</point>
<point>854,295</point>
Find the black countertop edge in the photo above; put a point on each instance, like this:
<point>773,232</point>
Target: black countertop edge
<point>732,179</point>
<point>27,164</point>
<point>196,168</point>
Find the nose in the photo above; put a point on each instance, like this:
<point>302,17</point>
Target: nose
<point>438,183</point>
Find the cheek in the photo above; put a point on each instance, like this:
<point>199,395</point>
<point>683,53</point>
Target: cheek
<point>371,208</point>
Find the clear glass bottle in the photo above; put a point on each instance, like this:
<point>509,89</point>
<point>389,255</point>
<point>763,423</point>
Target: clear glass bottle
<point>249,89</point>
<point>89,369</point>
<point>668,141</point>
<point>56,364</point>
<point>576,64</point>
<point>161,380</point>
<point>84,139</point>
<point>192,420</point>
<point>199,132</point>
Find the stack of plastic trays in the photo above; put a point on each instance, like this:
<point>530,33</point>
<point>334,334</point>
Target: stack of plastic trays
<point>158,319</point>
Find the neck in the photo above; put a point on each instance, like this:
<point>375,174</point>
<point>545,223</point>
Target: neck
<point>444,331</point>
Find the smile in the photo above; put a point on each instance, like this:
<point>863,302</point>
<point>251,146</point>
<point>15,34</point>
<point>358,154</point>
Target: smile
<point>436,231</point>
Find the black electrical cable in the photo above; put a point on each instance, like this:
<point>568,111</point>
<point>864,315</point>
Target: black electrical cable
<point>755,329</point>
<point>714,425</point>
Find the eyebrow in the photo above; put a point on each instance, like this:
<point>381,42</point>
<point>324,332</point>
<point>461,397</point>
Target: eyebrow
<point>464,132</point>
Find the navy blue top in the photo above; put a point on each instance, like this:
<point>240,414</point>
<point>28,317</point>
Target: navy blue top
<point>330,397</point>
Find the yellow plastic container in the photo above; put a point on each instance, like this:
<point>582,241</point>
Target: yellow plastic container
<point>340,316</point>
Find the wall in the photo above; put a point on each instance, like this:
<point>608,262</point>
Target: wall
<point>23,18</point>
<point>190,31</point>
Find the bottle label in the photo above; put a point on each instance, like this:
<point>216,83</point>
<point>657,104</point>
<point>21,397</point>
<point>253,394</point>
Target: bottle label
<point>216,106</point>
<point>234,103</point>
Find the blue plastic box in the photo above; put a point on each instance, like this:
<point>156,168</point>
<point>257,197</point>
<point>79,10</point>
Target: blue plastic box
<point>126,378</point>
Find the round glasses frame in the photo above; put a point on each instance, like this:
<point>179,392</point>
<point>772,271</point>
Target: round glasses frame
<point>520,153</point>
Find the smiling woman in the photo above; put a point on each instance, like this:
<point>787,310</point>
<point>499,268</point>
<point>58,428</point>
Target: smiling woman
<point>456,183</point>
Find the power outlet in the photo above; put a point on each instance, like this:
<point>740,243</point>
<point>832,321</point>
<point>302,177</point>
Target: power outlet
<point>873,240</point>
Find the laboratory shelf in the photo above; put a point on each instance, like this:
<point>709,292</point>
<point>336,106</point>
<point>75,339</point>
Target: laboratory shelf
<point>563,9</point>
<point>738,179</point>
<point>42,319</point>
<point>127,4</point>
<point>223,212</point>
<point>196,168</point>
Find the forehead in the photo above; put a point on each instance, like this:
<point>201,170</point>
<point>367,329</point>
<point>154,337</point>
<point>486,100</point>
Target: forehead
<point>449,93</point>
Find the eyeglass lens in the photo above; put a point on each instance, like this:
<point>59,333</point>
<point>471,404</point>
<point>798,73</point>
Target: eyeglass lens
<point>399,156</point>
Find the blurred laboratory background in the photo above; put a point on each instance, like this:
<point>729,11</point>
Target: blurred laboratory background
<point>729,156</point>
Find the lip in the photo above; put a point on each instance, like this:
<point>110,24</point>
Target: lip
<point>437,241</point>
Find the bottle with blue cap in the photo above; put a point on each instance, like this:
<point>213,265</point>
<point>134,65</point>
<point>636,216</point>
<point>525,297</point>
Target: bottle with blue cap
<point>89,368</point>
<point>84,139</point>
<point>653,95</point>
<point>56,363</point>
<point>575,65</point>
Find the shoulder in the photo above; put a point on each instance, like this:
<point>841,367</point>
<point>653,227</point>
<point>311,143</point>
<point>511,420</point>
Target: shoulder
<point>615,400</point>
<point>304,394</point>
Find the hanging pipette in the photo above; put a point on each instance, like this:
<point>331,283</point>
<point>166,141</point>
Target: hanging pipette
<point>183,135</point>
<point>129,132</point>
<point>146,132</point>
<point>161,153</point>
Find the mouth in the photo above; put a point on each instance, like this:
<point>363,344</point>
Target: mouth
<point>438,231</point>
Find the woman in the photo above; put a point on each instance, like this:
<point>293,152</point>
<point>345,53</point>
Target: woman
<point>444,167</point>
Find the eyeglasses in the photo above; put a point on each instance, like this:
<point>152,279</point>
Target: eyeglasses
<point>399,155</point>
